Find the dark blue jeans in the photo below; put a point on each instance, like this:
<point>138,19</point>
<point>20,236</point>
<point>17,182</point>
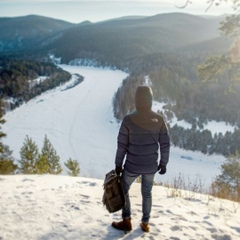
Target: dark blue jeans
<point>146,190</point>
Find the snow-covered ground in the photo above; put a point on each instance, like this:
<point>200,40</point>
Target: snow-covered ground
<point>80,124</point>
<point>47,207</point>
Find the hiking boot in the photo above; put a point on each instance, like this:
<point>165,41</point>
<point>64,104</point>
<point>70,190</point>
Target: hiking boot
<point>145,227</point>
<point>124,225</point>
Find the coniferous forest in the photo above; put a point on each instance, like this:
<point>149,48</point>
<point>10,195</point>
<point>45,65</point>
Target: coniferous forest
<point>18,79</point>
<point>175,82</point>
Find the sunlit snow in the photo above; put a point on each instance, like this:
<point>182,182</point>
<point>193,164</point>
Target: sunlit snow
<point>47,207</point>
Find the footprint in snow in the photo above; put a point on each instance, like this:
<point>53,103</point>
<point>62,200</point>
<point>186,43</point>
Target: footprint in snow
<point>208,223</point>
<point>27,193</point>
<point>27,180</point>
<point>221,237</point>
<point>91,184</point>
<point>174,238</point>
<point>85,196</point>
<point>176,228</point>
<point>157,206</point>
<point>76,208</point>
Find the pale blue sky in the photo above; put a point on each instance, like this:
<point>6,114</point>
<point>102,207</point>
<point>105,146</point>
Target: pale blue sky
<point>98,10</point>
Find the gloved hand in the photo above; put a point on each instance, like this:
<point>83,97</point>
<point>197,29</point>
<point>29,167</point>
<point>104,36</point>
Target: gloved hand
<point>162,169</point>
<point>118,170</point>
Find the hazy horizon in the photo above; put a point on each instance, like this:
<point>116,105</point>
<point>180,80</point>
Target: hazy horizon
<point>81,10</point>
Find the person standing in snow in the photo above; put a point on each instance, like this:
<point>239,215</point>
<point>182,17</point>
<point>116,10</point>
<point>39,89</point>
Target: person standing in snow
<point>140,136</point>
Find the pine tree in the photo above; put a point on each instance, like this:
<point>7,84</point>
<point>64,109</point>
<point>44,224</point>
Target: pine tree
<point>42,165</point>
<point>227,184</point>
<point>7,165</point>
<point>29,156</point>
<point>50,156</point>
<point>73,166</point>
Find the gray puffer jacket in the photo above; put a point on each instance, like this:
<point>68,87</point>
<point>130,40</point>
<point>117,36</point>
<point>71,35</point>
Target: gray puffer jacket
<point>140,135</point>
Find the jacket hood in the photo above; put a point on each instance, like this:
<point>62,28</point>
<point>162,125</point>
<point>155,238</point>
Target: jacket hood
<point>143,98</point>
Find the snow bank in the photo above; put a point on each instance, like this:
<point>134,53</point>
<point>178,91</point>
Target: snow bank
<point>61,207</point>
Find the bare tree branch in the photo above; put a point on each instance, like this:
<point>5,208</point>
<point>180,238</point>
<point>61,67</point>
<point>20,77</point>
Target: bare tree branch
<point>210,2</point>
<point>185,5</point>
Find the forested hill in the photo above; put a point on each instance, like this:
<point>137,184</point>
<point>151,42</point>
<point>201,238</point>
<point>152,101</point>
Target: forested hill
<point>21,80</point>
<point>121,41</point>
<point>116,42</point>
<point>28,32</point>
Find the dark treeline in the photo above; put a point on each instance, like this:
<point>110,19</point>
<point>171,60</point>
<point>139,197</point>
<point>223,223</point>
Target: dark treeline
<point>16,77</point>
<point>204,141</point>
<point>174,81</point>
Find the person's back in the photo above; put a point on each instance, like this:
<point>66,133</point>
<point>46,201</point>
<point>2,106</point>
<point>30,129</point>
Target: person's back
<point>145,130</point>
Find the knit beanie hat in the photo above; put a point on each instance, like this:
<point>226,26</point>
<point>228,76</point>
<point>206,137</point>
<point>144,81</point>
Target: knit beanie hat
<point>143,98</point>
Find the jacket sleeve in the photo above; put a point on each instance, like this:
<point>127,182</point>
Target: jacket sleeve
<point>164,141</point>
<point>122,144</point>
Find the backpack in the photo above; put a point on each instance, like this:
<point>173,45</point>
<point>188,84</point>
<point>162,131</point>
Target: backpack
<point>113,196</point>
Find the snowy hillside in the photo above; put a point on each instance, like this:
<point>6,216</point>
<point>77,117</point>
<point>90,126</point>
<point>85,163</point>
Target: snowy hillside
<point>80,124</point>
<point>47,207</point>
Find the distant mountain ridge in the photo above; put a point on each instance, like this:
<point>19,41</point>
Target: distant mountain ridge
<point>26,32</point>
<point>113,41</point>
<point>118,40</point>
